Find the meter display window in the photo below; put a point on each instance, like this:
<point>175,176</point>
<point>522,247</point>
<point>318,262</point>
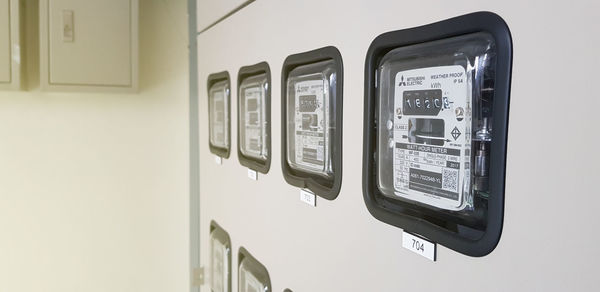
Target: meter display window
<point>252,275</point>
<point>220,259</point>
<point>218,114</point>
<point>254,117</point>
<point>435,132</point>
<point>312,115</point>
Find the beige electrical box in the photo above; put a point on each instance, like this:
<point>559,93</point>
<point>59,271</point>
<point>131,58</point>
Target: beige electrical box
<point>10,44</point>
<point>89,45</point>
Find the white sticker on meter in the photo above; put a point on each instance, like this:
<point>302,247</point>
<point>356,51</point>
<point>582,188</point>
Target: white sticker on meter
<point>431,122</point>
<point>253,142</point>
<point>218,119</point>
<point>312,126</point>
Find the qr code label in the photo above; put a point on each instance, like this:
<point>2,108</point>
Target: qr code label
<point>450,179</point>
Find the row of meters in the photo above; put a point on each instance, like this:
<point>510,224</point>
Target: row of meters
<point>435,126</point>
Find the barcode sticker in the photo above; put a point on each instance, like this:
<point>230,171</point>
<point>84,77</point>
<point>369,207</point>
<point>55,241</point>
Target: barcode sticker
<point>308,197</point>
<point>419,246</point>
<point>252,174</point>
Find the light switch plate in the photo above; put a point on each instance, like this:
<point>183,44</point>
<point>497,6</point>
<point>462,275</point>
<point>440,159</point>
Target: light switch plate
<point>68,26</point>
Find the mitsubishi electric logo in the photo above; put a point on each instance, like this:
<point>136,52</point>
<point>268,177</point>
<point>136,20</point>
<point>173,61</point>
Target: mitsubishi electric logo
<point>418,80</point>
<point>402,83</point>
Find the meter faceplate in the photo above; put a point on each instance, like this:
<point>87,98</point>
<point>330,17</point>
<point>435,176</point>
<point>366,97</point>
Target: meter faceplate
<point>219,114</point>
<point>309,123</point>
<point>436,114</point>
<point>254,117</point>
<point>312,85</point>
<point>427,95</point>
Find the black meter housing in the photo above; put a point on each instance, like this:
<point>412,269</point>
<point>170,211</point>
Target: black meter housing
<point>252,275</point>
<point>220,259</point>
<point>435,130</point>
<point>311,115</point>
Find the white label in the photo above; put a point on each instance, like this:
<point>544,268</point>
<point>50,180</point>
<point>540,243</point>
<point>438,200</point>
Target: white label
<point>431,135</point>
<point>218,160</point>
<point>312,124</point>
<point>419,245</point>
<point>308,197</point>
<point>252,174</point>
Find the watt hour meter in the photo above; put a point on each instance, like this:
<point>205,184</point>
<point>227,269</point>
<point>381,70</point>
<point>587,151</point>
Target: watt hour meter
<point>218,113</point>
<point>312,121</point>
<point>436,115</point>
<point>220,259</point>
<point>254,117</point>
<point>252,275</point>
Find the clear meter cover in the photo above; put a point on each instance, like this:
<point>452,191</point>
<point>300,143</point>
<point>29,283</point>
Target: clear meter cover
<point>311,117</point>
<point>253,117</point>
<point>219,115</point>
<point>435,108</point>
<point>220,260</point>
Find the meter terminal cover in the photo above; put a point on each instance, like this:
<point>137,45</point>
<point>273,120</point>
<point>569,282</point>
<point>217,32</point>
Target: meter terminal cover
<point>315,122</point>
<point>259,75</point>
<point>440,93</point>
<point>220,79</point>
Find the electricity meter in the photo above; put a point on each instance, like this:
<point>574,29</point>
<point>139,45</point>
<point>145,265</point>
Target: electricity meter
<point>252,275</point>
<point>220,259</point>
<point>436,116</point>
<point>311,94</point>
<point>218,113</point>
<point>254,117</point>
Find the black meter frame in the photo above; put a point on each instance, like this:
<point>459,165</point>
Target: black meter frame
<point>211,80</point>
<point>221,235</point>
<point>323,187</point>
<point>413,218</point>
<point>258,270</point>
<point>245,72</point>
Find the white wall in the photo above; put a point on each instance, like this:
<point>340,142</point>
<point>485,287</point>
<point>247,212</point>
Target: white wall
<point>94,187</point>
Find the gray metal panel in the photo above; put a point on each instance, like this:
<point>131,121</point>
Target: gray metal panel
<point>194,160</point>
<point>548,242</point>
